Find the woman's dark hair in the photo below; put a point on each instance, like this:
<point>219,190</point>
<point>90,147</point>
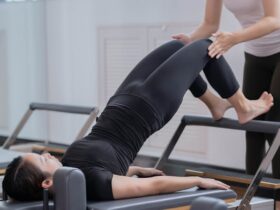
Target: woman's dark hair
<point>23,181</point>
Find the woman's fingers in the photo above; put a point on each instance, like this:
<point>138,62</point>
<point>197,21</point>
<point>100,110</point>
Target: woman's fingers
<point>212,183</point>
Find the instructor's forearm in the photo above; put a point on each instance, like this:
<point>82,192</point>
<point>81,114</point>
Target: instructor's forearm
<point>211,21</point>
<point>203,31</point>
<point>261,28</point>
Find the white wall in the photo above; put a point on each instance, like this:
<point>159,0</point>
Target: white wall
<point>23,52</point>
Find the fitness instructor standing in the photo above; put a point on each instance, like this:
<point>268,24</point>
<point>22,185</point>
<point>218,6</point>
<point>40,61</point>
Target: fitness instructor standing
<point>260,21</point>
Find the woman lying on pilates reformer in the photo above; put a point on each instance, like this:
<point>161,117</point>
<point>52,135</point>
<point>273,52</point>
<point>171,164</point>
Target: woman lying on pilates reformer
<point>146,100</point>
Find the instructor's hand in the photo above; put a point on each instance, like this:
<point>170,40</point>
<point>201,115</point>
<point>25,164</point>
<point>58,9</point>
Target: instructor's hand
<point>223,41</point>
<point>183,38</point>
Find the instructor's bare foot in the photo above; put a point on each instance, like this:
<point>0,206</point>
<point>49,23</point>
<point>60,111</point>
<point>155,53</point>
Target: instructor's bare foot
<point>219,108</point>
<point>254,108</point>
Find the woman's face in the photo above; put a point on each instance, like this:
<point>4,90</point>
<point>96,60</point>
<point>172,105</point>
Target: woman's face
<point>45,162</point>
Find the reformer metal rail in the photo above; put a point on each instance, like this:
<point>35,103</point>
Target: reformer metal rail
<point>91,111</point>
<point>254,126</point>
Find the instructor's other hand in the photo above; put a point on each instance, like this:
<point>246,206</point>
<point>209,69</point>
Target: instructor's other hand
<point>182,37</point>
<point>223,41</point>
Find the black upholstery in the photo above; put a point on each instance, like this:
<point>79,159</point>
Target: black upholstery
<point>182,198</point>
<point>11,205</point>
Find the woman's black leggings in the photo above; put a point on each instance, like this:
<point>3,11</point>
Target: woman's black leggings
<point>164,76</point>
<point>262,74</point>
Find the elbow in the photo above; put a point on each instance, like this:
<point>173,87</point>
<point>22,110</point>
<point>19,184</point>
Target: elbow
<point>274,22</point>
<point>157,186</point>
<point>277,25</point>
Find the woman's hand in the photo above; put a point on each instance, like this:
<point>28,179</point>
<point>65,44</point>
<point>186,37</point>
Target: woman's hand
<point>212,183</point>
<point>182,37</point>
<point>149,172</point>
<point>143,172</point>
<point>223,41</point>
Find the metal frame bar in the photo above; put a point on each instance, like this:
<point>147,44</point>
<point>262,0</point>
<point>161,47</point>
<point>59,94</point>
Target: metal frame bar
<point>254,126</point>
<point>91,111</point>
<point>88,123</point>
<point>12,138</point>
<point>251,190</point>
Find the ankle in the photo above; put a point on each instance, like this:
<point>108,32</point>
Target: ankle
<point>244,106</point>
<point>206,100</point>
<point>240,102</point>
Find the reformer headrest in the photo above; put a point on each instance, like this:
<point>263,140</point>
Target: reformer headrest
<point>208,203</point>
<point>69,189</point>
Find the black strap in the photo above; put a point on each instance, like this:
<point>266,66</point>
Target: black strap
<point>45,199</point>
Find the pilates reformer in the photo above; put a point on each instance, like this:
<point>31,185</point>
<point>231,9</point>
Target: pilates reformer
<point>254,125</point>
<point>7,155</point>
<point>69,183</point>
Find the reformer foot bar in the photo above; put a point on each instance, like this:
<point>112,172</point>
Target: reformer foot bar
<point>254,126</point>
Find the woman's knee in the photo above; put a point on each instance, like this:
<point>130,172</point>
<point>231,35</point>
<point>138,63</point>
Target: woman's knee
<point>202,43</point>
<point>175,44</point>
<point>197,49</point>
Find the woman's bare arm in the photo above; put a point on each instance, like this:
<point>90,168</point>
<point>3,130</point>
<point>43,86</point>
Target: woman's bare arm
<point>129,187</point>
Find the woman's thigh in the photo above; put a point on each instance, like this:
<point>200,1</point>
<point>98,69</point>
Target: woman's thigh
<point>148,65</point>
<point>167,85</point>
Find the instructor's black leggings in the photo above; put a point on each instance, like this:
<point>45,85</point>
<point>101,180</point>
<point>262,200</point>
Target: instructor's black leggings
<point>262,74</point>
<point>164,76</point>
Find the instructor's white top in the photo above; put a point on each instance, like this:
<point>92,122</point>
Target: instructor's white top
<point>247,13</point>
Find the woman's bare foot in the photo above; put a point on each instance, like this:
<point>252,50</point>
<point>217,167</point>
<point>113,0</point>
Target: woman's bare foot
<point>215,104</point>
<point>254,108</point>
<point>219,108</point>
